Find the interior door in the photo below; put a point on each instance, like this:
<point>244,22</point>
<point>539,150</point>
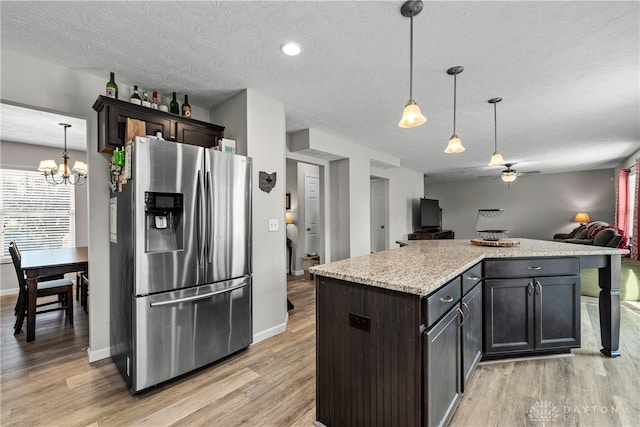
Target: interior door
<point>378,204</point>
<point>311,214</point>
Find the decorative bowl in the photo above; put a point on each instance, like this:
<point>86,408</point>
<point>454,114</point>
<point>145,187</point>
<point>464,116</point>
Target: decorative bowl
<point>493,235</point>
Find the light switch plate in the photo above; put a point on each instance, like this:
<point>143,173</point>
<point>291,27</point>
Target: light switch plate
<point>273,224</point>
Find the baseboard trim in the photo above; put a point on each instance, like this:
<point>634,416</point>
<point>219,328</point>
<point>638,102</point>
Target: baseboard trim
<point>12,291</point>
<point>271,332</point>
<point>96,355</point>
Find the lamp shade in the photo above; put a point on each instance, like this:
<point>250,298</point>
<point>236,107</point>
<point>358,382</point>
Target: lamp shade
<point>454,146</point>
<point>496,159</point>
<point>288,217</point>
<point>411,116</point>
<point>582,217</point>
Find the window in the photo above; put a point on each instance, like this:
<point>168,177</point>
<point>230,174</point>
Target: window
<point>35,214</point>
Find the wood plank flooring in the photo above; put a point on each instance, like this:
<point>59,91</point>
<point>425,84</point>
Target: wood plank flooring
<point>49,382</point>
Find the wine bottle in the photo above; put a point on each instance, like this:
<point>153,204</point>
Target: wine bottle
<point>135,98</point>
<point>163,105</point>
<point>173,106</point>
<point>145,100</point>
<point>112,87</point>
<point>186,108</point>
<point>154,100</point>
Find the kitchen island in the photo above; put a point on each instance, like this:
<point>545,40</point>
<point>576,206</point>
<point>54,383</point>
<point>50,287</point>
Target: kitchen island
<point>399,332</point>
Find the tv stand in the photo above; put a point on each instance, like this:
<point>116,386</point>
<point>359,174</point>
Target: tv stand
<point>432,234</point>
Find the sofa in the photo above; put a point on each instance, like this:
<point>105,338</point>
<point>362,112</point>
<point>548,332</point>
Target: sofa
<point>596,233</point>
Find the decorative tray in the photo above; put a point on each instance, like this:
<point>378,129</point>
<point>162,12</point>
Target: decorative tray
<point>499,243</point>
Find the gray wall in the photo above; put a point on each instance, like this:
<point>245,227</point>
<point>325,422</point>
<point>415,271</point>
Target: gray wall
<point>27,155</point>
<point>536,206</point>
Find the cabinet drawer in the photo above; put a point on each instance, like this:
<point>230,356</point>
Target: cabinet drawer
<point>531,267</point>
<point>437,304</point>
<point>471,277</point>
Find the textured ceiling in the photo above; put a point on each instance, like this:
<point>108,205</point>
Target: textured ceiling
<point>568,72</point>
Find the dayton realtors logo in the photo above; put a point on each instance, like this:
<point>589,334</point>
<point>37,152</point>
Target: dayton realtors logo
<point>543,411</point>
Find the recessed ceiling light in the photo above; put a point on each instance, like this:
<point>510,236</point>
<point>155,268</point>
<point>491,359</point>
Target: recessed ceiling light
<point>291,49</point>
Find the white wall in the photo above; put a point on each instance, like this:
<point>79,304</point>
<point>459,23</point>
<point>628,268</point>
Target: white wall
<point>257,123</point>
<point>27,155</point>
<point>340,200</point>
<point>537,206</point>
<point>405,187</point>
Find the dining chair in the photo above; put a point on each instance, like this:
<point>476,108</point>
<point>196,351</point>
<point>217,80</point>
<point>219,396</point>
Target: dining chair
<point>62,288</point>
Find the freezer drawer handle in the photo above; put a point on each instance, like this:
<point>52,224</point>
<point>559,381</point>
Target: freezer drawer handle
<point>196,297</point>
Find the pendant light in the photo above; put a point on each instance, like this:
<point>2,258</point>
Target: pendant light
<point>411,116</point>
<point>49,167</point>
<point>455,145</point>
<point>496,158</point>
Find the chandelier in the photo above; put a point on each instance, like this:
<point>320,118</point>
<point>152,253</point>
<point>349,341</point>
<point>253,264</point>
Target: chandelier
<point>48,167</point>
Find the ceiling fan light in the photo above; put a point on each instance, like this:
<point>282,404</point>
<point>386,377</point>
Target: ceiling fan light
<point>454,146</point>
<point>509,175</point>
<point>411,116</point>
<point>496,159</point>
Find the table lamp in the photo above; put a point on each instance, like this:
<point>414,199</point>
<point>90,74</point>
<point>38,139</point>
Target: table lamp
<point>582,217</point>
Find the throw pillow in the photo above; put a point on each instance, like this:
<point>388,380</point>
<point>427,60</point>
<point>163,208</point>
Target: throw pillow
<point>603,236</point>
<point>582,234</point>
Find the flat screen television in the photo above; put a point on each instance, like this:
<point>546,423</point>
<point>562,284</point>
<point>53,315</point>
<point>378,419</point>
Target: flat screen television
<point>429,213</point>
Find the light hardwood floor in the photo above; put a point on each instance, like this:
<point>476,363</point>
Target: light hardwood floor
<point>49,382</point>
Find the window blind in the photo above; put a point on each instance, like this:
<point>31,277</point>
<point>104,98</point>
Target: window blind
<point>35,214</point>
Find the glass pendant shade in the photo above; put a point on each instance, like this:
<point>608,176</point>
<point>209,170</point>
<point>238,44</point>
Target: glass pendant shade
<point>411,116</point>
<point>496,159</point>
<point>454,146</point>
<point>509,175</point>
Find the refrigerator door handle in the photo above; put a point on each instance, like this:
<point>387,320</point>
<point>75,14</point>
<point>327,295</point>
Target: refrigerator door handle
<point>209,234</point>
<point>199,219</point>
<point>196,297</point>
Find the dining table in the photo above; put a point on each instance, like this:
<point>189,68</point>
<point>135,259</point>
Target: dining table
<point>48,262</point>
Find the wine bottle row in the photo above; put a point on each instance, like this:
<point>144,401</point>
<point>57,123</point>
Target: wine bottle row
<point>153,102</point>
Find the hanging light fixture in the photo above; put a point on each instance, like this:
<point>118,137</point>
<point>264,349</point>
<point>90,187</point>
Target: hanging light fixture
<point>411,116</point>
<point>455,145</point>
<point>496,158</point>
<point>509,175</point>
<point>64,176</point>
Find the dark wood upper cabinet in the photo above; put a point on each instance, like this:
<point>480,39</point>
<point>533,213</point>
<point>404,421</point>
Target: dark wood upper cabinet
<point>112,119</point>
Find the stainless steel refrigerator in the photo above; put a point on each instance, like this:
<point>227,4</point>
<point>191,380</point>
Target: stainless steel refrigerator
<point>180,256</point>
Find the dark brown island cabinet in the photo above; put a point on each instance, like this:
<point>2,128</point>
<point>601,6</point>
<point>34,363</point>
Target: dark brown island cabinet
<point>397,353</point>
<point>531,306</point>
<point>113,115</point>
<point>387,357</point>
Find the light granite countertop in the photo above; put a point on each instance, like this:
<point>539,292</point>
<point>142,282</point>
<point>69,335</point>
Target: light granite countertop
<point>422,266</point>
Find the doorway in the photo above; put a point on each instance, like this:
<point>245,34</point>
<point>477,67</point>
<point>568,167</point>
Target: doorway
<point>378,218</point>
